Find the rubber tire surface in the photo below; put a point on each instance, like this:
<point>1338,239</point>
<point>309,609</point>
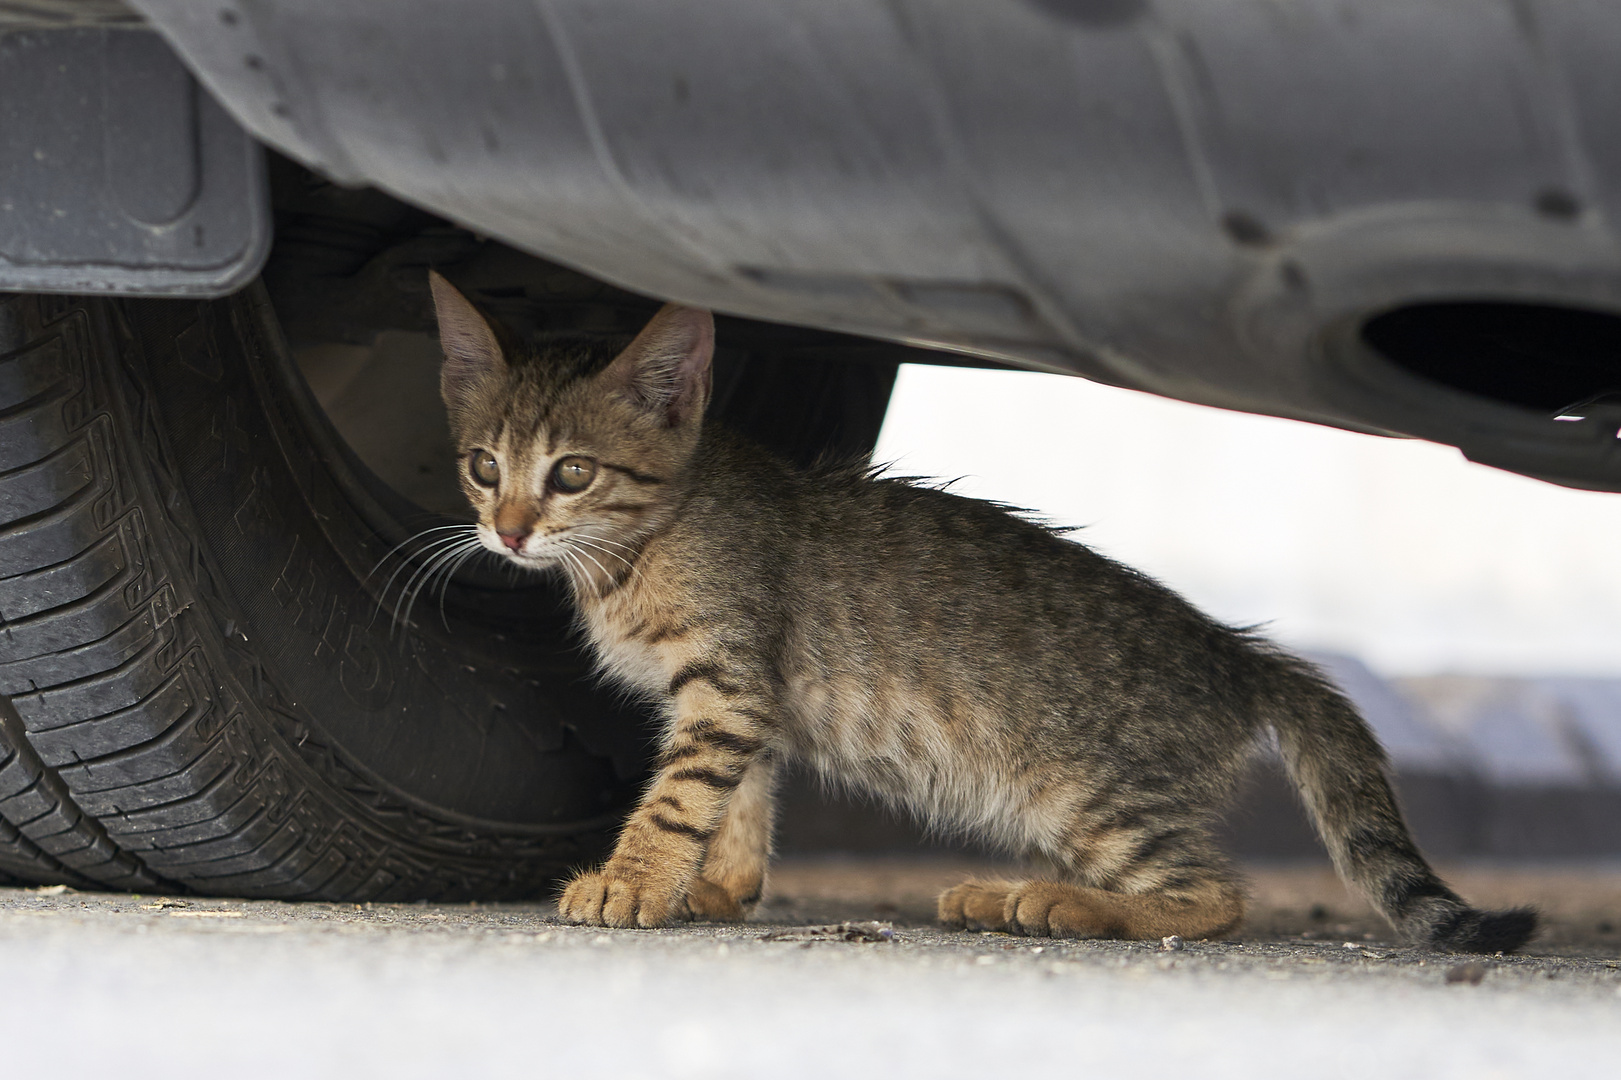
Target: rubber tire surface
<point>195,691</point>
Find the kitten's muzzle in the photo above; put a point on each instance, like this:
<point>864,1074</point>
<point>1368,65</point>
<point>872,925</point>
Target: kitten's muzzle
<point>514,540</point>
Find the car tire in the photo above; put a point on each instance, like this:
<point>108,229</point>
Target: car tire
<point>198,689</point>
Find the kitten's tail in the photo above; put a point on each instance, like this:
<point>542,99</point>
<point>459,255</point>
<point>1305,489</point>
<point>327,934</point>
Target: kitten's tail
<point>1340,770</point>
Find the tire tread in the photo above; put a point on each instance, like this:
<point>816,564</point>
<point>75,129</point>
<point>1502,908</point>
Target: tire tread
<point>131,757</point>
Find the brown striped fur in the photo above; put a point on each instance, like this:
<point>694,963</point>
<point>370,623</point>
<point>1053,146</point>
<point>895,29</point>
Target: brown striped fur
<point>974,668</point>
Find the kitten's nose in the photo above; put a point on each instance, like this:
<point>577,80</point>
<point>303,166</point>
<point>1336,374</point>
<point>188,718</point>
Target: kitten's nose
<point>513,523</point>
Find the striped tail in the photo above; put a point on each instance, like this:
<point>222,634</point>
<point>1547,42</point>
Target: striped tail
<point>1341,772</point>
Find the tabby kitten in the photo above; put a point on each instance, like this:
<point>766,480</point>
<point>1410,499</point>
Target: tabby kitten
<point>993,678</point>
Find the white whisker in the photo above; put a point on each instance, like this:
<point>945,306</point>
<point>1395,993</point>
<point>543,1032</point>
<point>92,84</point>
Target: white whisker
<point>413,537</point>
<point>594,541</point>
<point>590,543</point>
<point>450,574</point>
<point>576,569</point>
<point>426,545</point>
<point>434,545</point>
<point>443,562</point>
<point>427,550</point>
<point>594,560</point>
<point>604,540</point>
<point>414,584</point>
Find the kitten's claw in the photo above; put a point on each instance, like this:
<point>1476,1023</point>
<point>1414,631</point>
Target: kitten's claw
<point>606,898</point>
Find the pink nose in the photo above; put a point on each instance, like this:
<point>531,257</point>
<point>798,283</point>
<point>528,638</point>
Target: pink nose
<point>513,540</point>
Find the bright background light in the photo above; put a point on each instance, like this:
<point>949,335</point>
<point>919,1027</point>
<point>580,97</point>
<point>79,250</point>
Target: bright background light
<point>1396,551</point>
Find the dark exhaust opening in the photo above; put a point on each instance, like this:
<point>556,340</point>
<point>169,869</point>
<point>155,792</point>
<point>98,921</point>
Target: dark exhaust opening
<point>1538,356</point>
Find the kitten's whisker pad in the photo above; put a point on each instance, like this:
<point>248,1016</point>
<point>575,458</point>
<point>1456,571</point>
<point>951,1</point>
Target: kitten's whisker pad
<point>974,667</point>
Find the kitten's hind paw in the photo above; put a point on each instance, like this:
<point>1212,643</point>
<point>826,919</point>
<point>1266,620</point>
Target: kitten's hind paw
<point>709,902</point>
<point>977,905</point>
<point>1054,909</point>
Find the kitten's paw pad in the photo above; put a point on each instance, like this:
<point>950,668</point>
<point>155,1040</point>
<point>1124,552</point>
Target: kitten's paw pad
<point>1051,909</point>
<point>976,905</point>
<point>605,898</point>
<point>709,902</point>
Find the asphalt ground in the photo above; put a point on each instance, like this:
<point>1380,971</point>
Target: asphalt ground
<point>840,973</point>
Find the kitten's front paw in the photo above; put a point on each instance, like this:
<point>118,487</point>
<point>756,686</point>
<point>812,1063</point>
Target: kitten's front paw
<point>582,899</point>
<point>606,898</point>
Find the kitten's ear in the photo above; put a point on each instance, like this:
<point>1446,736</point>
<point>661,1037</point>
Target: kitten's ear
<point>472,353</point>
<point>666,369</point>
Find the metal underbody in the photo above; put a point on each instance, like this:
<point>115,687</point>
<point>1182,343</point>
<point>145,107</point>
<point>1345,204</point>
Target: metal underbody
<point>1212,200</point>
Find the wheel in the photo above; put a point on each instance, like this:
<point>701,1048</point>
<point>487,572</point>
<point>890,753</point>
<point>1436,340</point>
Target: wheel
<point>201,690</point>
<point>203,682</point>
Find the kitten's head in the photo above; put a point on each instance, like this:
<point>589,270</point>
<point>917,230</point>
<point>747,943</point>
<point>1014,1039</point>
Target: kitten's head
<point>570,458</point>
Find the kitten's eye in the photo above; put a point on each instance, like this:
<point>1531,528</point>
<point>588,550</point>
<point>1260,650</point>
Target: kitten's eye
<point>574,473</point>
<point>481,463</point>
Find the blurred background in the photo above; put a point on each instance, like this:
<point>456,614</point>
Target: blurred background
<point>1396,551</point>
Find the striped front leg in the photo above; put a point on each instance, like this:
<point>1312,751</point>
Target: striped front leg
<point>733,876</point>
<point>719,732</point>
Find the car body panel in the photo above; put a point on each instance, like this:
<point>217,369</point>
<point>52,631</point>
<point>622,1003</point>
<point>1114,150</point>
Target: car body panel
<point>1199,198</point>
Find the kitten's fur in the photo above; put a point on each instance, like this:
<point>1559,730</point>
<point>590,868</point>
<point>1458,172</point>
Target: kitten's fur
<point>936,651</point>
